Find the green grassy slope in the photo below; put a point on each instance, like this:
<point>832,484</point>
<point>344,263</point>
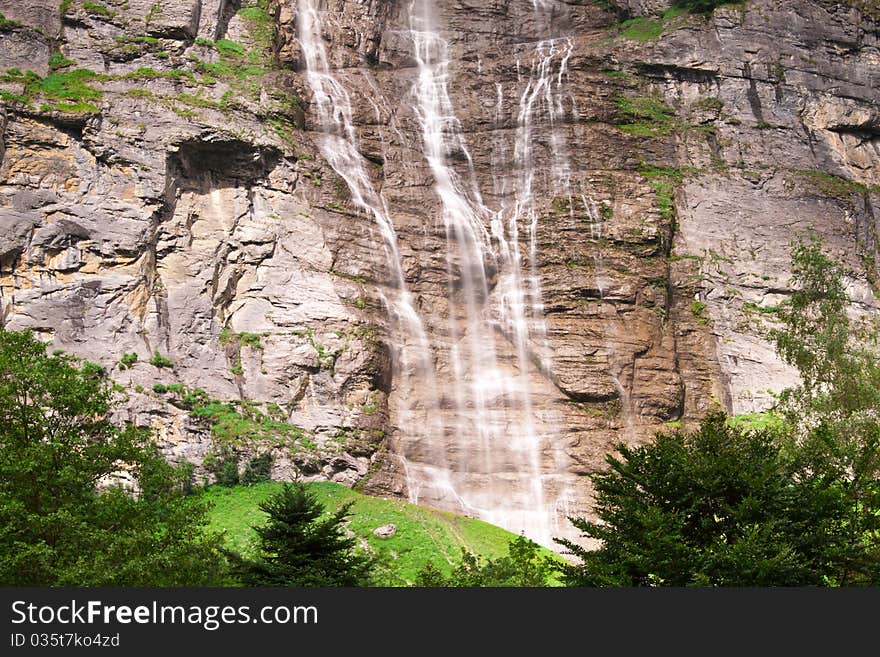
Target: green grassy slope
<point>422,534</point>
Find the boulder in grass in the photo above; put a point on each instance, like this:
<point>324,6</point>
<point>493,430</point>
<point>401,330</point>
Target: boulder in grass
<point>385,531</point>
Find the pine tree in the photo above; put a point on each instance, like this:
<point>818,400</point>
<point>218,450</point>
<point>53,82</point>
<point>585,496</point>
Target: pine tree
<point>301,546</point>
<point>709,508</point>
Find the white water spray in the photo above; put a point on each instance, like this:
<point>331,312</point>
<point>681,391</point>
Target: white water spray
<point>505,483</point>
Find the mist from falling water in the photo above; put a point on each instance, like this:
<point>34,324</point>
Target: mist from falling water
<point>339,146</point>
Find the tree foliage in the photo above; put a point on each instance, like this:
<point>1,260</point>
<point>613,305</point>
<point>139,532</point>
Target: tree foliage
<point>834,414</point>
<point>794,504</point>
<point>721,506</point>
<point>83,501</point>
<point>302,546</point>
<point>523,566</point>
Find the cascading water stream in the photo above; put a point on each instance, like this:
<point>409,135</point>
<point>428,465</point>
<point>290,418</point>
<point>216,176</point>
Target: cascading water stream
<point>467,238</point>
<point>469,434</point>
<point>488,297</point>
<point>542,95</point>
<point>541,105</point>
<point>338,145</point>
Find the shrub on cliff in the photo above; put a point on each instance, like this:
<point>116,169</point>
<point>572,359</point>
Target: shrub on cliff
<point>84,501</point>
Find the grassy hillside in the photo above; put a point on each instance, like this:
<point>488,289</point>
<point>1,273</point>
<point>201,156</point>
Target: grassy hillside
<point>422,534</point>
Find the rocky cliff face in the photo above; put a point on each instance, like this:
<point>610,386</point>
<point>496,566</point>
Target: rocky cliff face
<point>165,192</point>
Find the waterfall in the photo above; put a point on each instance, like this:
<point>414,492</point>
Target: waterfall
<point>542,95</point>
<point>339,146</point>
<point>497,429</point>
<point>540,108</point>
<point>469,433</point>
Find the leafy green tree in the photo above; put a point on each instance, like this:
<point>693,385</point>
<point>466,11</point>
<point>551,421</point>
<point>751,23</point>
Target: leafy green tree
<point>301,546</point>
<point>833,416</point>
<point>258,469</point>
<point>523,566</point>
<point>839,364</point>
<point>83,501</point>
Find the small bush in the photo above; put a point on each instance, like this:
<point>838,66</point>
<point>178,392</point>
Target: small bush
<point>160,361</point>
<point>228,473</point>
<point>6,24</point>
<point>642,28</point>
<point>128,360</point>
<point>9,97</point>
<point>224,467</point>
<point>251,340</point>
<point>643,116</point>
<point>169,387</point>
<point>257,470</point>
<point>69,85</point>
<point>226,336</point>
<point>697,308</point>
<point>97,9</point>
<point>68,90</point>
<point>195,397</point>
<point>57,60</point>
<point>254,14</point>
<point>711,103</point>
<point>239,425</point>
<point>228,48</point>
<point>147,73</point>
